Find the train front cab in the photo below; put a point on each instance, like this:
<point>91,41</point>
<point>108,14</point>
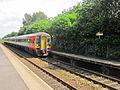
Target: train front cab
<point>43,44</point>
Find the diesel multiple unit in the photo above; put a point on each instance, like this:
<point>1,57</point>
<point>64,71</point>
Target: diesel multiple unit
<point>38,44</point>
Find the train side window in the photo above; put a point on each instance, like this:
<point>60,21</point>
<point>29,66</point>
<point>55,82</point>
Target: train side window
<point>48,41</point>
<point>32,41</point>
<point>38,40</point>
<point>28,40</point>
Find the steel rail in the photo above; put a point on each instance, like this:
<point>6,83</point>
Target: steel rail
<point>47,72</point>
<point>86,76</point>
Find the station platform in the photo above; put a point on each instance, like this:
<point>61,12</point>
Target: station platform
<point>9,78</point>
<point>109,63</point>
<point>15,76</point>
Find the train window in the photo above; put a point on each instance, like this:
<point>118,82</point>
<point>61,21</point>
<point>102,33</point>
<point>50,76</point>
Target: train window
<point>48,41</point>
<point>19,40</point>
<point>24,40</point>
<point>28,40</point>
<point>32,40</point>
<point>38,40</point>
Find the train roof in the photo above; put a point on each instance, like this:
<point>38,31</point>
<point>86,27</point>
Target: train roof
<point>23,36</point>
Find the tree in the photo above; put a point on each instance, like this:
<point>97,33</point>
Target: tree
<point>11,34</point>
<point>29,19</point>
<point>62,30</point>
<point>37,16</point>
<point>39,26</point>
<point>23,30</point>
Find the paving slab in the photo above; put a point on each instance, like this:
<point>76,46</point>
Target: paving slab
<point>24,75</point>
<point>9,78</point>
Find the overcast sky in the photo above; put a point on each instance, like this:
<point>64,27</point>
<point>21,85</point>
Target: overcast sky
<point>12,11</point>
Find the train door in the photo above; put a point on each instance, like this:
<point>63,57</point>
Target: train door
<point>43,42</point>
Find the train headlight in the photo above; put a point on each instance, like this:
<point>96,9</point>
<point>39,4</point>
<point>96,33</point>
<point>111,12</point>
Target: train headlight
<point>37,44</point>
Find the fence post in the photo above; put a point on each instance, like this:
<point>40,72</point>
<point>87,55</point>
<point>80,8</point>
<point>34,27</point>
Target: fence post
<point>107,52</point>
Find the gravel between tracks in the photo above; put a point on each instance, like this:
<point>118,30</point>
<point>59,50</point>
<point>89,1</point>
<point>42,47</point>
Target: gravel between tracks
<point>76,81</point>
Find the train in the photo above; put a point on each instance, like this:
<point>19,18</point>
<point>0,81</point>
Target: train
<point>38,44</point>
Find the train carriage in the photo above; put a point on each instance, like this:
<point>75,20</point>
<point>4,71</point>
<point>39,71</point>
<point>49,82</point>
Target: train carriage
<point>37,43</point>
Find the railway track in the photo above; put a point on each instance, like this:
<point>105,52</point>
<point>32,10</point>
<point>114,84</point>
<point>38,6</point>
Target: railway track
<point>55,82</point>
<point>106,81</point>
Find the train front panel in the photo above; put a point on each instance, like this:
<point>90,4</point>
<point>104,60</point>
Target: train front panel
<point>43,44</point>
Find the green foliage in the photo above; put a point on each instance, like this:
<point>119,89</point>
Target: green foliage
<point>23,30</point>
<point>11,34</point>
<point>80,36</point>
<point>63,23</point>
<point>39,26</point>
<point>61,29</point>
<point>115,55</point>
<point>29,19</point>
<point>38,16</point>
